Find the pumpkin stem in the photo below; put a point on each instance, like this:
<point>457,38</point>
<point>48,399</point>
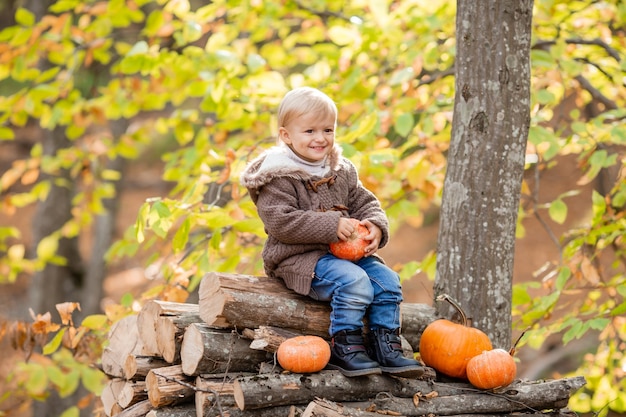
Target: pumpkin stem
<point>457,307</point>
<point>512,350</point>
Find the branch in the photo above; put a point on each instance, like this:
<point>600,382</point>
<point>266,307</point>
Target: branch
<point>595,93</point>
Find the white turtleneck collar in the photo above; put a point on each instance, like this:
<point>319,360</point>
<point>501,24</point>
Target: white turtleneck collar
<point>319,168</point>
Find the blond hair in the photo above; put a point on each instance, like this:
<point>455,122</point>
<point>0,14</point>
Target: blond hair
<point>304,100</point>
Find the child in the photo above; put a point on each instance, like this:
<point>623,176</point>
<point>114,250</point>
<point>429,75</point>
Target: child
<point>305,191</point>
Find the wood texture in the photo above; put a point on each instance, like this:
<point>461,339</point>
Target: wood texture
<point>169,386</point>
<point>245,301</point>
<point>137,367</point>
<point>148,318</point>
<point>123,340</point>
<point>206,350</point>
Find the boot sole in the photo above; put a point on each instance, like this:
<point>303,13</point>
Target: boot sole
<point>356,372</point>
<point>405,372</point>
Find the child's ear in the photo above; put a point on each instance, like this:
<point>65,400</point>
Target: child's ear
<point>283,134</point>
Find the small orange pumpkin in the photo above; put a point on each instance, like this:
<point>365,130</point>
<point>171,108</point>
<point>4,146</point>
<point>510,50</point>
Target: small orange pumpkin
<point>447,346</point>
<point>491,369</point>
<point>352,249</point>
<point>303,354</point>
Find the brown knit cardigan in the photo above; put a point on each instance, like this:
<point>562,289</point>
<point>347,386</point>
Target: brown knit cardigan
<point>301,212</point>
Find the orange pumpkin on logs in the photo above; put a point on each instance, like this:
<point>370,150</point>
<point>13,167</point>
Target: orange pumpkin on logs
<point>447,346</point>
<point>493,368</point>
<point>303,354</point>
<point>352,249</point>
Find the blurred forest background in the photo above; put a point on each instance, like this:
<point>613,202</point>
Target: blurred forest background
<point>124,126</point>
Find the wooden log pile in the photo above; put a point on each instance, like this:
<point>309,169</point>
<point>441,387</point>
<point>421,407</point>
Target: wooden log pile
<point>216,358</point>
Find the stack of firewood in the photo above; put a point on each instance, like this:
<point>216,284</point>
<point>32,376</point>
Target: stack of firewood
<point>216,358</point>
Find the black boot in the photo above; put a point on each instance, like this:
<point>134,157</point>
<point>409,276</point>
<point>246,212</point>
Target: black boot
<point>386,348</point>
<point>349,356</point>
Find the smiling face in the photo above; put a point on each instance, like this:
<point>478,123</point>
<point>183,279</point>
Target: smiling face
<point>311,135</point>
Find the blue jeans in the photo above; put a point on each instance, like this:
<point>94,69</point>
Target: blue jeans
<point>366,288</point>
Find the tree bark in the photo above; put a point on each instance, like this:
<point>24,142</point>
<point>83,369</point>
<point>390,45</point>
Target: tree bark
<point>261,391</point>
<point>249,301</point>
<point>264,391</point>
<point>268,338</point>
<point>481,190</point>
<point>517,397</point>
<point>185,410</point>
<point>206,350</point>
<point>325,408</point>
<point>213,394</point>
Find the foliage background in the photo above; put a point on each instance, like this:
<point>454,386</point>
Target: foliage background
<point>197,85</point>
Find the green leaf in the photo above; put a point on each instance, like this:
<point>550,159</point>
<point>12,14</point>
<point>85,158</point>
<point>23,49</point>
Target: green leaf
<point>37,380</point>
<point>24,17</point>
<point>404,124</point>
<point>54,344</point>
<point>182,236</point>
<point>95,322</point>
<point>93,379</point>
<point>47,247</point>
<point>73,411</point>
<point>558,211</point>
<point>619,310</point>
<point>6,133</point>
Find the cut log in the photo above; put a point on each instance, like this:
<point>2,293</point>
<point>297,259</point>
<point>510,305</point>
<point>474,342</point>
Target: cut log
<point>138,410</point>
<point>137,367</point>
<point>324,408</point>
<point>131,393</point>
<point>123,340</point>
<point>149,316</point>
<point>280,389</point>
<point>268,338</point>
<point>261,391</point>
<point>170,331</point>
<point>110,395</point>
<point>169,386</point>
<point>245,301</point>
<point>517,397</point>
<point>185,410</point>
<point>206,350</point>
<point>213,394</point>
<point>249,301</point>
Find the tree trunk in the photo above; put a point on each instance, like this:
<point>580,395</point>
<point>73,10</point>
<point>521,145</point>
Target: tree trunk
<point>486,162</point>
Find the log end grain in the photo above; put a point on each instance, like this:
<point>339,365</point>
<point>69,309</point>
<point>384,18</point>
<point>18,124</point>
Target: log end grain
<point>191,350</point>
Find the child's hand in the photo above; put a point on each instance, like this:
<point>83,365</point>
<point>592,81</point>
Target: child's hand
<point>374,237</point>
<point>345,228</point>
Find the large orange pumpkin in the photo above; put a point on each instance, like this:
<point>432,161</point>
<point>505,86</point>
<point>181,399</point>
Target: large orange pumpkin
<point>447,346</point>
<point>303,354</point>
<point>491,369</point>
<point>352,249</point>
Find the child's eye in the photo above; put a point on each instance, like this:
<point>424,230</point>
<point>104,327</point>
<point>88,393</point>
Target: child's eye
<point>309,131</point>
